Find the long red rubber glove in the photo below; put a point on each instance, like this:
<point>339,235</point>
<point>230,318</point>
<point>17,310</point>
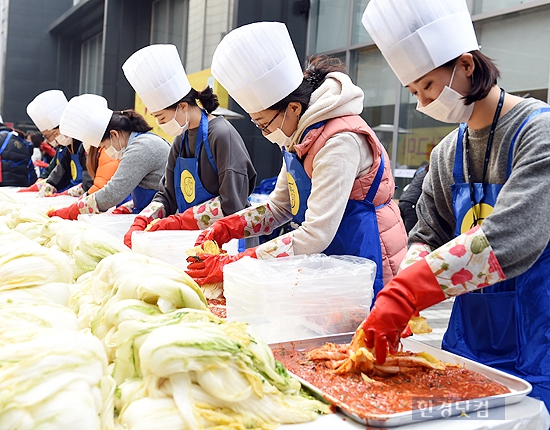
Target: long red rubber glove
<point>208,268</point>
<point>70,212</point>
<point>413,289</point>
<point>32,188</point>
<point>121,210</point>
<point>139,224</point>
<point>223,230</point>
<point>184,221</point>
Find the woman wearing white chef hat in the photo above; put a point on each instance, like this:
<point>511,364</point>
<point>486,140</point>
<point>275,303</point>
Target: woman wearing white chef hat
<point>209,172</point>
<point>125,136</point>
<point>485,179</point>
<point>99,166</point>
<point>335,181</point>
<point>68,165</point>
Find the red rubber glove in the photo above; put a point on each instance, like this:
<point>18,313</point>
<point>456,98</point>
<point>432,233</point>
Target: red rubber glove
<point>70,212</point>
<point>139,225</point>
<point>40,163</point>
<point>413,289</point>
<point>32,188</point>
<point>223,230</point>
<point>121,210</point>
<point>207,268</point>
<point>184,221</point>
<point>47,148</point>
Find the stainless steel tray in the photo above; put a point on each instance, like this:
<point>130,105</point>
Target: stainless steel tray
<point>518,387</point>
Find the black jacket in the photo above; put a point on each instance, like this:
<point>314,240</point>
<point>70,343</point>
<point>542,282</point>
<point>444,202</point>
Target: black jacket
<point>17,169</point>
<point>413,191</point>
<point>60,176</point>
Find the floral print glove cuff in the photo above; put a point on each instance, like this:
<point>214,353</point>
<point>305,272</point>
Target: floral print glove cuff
<point>466,263</point>
<point>279,247</point>
<point>416,252</point>
<point>154,210</point>
<point>208,212</point>
<point>46,190</point>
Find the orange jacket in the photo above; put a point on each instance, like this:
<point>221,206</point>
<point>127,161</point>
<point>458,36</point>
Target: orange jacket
<point>106,168</point>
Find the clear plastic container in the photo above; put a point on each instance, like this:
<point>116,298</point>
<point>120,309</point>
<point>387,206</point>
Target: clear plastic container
<point>299,297</point>
<point>117,225</point>
<point>171,245</point>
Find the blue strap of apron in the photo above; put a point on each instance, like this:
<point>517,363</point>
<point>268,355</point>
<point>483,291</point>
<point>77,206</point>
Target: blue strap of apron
<point>312,127</point>
<point>529,118</point>
<point>6,141</point>
<point>202,135</point>
<point>378,178</point>
<point>458,169</point>
<point>202,131</point>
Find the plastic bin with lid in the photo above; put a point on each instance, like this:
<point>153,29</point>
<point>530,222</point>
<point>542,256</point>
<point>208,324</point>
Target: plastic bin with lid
<point>298,297</point>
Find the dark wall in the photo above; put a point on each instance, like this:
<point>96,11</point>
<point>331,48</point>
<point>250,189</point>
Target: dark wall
<point>127,29</point>
<point>31,55</point>
<point>266,156</point>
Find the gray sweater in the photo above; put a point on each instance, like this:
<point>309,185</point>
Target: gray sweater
<point>519,227</point>
<point>236,176</point>
<point>142,164</point>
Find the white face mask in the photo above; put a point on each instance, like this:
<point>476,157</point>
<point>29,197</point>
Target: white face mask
<point>114,153</point>
<point>63,140</point>
<point>173,127</point>
<point>449,106</point>
<point>279,137</point>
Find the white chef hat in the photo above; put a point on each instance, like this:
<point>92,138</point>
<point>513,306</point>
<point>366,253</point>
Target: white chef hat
<point>257,65</point>
<point>46,108</point>
<point>417,36</point>
<point>157,76</point>
<point>86,118</point>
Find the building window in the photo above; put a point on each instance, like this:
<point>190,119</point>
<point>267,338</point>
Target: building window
<point>518,45</point>
<point>482,6</point>
<point>168,23</point>
<point>90,65</point>
<point>329,25</point>
<point>209,22</point>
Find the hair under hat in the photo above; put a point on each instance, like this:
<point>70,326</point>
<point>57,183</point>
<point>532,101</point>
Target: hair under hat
<point>417,36</point>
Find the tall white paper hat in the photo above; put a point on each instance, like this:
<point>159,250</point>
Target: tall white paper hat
<point>157,76</point>
<point>257,65</point>
<point>417,36</point>
<point>85,118</point>
<point>46,108</point>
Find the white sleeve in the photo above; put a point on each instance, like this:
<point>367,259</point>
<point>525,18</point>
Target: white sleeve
<point>345,157</point>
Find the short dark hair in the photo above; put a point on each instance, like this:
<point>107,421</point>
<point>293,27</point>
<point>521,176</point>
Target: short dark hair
<point>126,120</point>
<point>485,77</point>
<point>317,68</point>
<point>207,98</point>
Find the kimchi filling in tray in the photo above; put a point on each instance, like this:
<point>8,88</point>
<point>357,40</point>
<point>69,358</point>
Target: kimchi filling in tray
<point>386,390</point>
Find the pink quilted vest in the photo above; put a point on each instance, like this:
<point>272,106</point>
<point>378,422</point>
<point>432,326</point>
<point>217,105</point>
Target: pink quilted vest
<point>393,238</point>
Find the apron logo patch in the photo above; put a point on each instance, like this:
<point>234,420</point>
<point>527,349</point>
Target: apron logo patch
<point>188,186</point>
<point>481,212</point>
<point>73,170</point>
<point>294,196</point>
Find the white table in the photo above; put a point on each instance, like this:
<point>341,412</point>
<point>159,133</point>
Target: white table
<point>529,414</point>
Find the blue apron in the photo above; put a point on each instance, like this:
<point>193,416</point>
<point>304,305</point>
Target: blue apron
<point>141,196</point>
<point>358,233</point>
<point>187,180</point>
<point>75,168</point>
<point>506,325</point>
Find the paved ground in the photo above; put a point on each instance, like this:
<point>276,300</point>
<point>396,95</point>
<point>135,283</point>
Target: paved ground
<point>438,318</point>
